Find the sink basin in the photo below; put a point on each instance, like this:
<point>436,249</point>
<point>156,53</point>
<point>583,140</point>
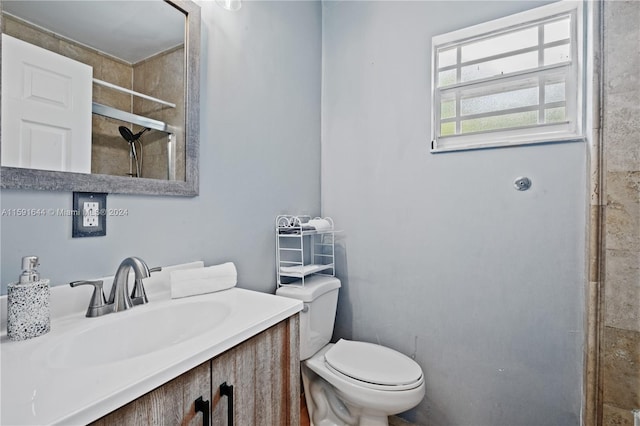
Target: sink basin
<point>125,335</point>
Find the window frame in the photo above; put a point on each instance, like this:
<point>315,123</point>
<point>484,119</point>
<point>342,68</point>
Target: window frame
<point>572,72</point>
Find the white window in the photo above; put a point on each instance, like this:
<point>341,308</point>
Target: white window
<point>511,81</point>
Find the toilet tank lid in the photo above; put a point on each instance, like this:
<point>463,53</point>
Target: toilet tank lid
<point>314,287</point>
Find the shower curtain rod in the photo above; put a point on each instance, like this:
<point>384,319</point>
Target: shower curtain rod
<point>128,117</point>
<point>131,92</point>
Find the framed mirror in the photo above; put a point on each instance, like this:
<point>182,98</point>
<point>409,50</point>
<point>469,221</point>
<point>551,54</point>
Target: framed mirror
<point>137,129</point>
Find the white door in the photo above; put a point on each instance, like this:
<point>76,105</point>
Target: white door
<point>46,109</point>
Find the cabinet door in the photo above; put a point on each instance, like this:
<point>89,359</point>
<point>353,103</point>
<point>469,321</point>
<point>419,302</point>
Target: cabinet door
<point>170,404</point>
<point>265,374</point>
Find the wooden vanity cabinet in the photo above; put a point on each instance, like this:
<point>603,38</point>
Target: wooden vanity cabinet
<point>169,404</point>
<point>263,371</point>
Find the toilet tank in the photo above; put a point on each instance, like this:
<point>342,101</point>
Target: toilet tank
<point>320,297</point>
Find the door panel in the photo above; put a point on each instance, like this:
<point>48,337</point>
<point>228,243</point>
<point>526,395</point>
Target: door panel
<point>46,109</point>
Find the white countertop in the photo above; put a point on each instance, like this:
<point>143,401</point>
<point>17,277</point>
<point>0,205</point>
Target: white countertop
<point>37,390</point>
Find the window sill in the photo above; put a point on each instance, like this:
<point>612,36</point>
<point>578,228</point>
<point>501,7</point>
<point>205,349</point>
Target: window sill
<point>506,144</point>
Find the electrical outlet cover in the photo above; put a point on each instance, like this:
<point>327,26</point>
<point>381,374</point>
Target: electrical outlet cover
<point>89,214</point>
<point>90,211</point>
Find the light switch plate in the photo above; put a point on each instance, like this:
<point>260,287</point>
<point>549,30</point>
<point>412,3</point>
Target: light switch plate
<point>89,214</point>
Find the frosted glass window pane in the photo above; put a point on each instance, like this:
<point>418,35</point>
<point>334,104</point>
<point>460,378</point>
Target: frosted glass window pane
<point>447,57</point>
<point>499,101</point>
<point>447,109</point>
<point>506,121</point>
<point>557,55</point>
<point>446,78</point>
<point>554,92</point>
<point>504,43</point>
<point>500,66</point>
<point>555,115</point>
<point>559,30</point>
<point>447,129</point>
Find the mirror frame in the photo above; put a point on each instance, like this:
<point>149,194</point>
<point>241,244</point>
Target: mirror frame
<point>45,180</point>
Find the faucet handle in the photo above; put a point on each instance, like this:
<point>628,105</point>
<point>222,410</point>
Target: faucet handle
<point>98,304</point>
<point>138,295</point>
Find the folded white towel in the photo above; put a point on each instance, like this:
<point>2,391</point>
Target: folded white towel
<point>320,224</point>
<point>191,282</point>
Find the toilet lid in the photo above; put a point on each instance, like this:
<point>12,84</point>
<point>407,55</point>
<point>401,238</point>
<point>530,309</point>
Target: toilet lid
<point>371,363</point>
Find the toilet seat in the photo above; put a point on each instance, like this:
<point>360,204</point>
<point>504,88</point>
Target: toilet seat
<point>373,366</point>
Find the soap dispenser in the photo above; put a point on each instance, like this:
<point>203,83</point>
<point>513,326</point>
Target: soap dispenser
<point>28,303</point>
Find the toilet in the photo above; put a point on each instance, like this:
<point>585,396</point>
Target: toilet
<point>348,382</point>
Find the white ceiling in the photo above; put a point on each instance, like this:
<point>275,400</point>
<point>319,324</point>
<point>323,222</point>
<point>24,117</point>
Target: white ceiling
<point>129,30</point>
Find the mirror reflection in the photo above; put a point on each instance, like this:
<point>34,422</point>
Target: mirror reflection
<point>94,87</point>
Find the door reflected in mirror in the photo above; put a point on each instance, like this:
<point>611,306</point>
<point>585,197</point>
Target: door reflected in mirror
<point>134,53</point>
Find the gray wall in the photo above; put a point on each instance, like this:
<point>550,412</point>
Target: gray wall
<point>441,257</point>
<point>260,144</point>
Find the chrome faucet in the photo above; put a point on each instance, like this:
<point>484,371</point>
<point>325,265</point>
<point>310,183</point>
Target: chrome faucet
<point>119,299</point>
<point>120,289</point>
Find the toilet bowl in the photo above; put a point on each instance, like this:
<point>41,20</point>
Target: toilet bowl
<point>349,382</point>
<point>368,403</point>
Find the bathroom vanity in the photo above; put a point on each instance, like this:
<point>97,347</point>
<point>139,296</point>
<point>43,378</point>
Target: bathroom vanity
<point>152,362</point>
<point>254,383</point>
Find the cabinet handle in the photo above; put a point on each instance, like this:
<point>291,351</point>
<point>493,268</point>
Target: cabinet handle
<point>203,407</point>
<point>227,390</point>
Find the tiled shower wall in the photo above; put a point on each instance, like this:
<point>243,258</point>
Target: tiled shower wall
<point>161,75</point>
<point>150,76</point>
<point>620,338</point>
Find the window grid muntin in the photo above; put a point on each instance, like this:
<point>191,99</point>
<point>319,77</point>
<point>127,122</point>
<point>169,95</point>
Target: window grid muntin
<point>540,47</point>
<point>566,69</point>
<point>543,46</point>
<point>505,112</point>
<point>551,76</point>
